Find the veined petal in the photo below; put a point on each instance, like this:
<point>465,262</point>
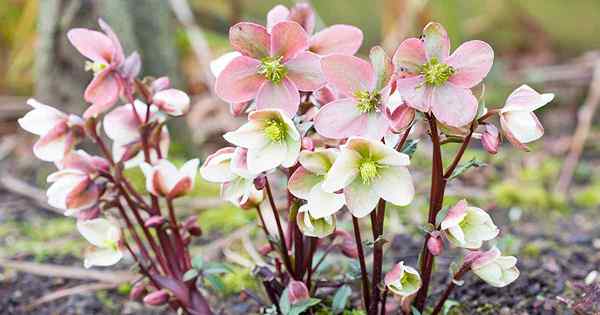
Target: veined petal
<point>394,184</point>
<point>288,39</point>
<point>453,105</point>
<point>361,198</point>
<point>267,157</point>
<point>117,56</point>
<point>283,95</point>
<point>348,74</point>
<point>322,204</point>
<point>437,43</point>
<point>302,181</point>
<point>239,81</point>
<point>472,62</point>
<point>92,44</point>
<point>250,39</point>
<point>415,93</point>
<point>376,127</point>
<point>305,71</point>
<point>340,119</point>
<point>343,171</point>
<point>337,39</point>
<point>409,57</point>
<point>277,14</point>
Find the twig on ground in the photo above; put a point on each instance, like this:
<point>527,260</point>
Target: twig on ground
<point>22,188</point>
<point>61,293</point>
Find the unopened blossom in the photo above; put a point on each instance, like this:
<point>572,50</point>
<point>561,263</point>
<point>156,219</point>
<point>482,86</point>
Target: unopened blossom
<point>490,139</point>
<point>493,268</point>
<point>165,180</point>
<point>75,186</point>
<point>347,244</point>
<point>519,123</point>
<point>273,67</point>
<point>157,298</point>
<point>271,139</point>
<point>172,101</point>
<point>435,245</point>
<point>399,115</point>
<point>368,170</point>
<point>467,226</point>
<point>314,227</point>
<point>105,236</point>
<point>366,89</point>
<point>297,292</point>
<point>432,80</point>
<point>106,57</point>
<point>59,132</point>
<point>403,280</point>
<point>228,166</point>
<point>307,183</point>
<point>335,39</point>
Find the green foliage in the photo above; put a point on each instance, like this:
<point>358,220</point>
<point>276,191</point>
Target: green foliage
<point>532,196</point>
<point>225,218</point>
<point>237,280</point>
<point>340,299</point>
<point>589,197</point>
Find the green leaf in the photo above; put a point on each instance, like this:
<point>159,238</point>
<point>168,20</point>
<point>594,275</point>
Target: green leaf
<point>189,275</point>
<point>340,299</point>
<point>448,305</point>
<point>284,302</point>
<point>198,262</point>
<point>216,268</point>
<point>216,283</point>
<point>410,147</point>
<point>474,162</point>
<point>379,241</point>
<point>302,306</point>
<point>415,311</point>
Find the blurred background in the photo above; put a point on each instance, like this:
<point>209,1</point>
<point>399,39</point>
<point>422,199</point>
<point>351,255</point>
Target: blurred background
<point>547,201</point>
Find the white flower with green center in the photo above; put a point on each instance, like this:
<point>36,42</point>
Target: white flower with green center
<point>307,183</point>
<point>314,227</point>
<point>105,236</point>
<point>495,269</point>
<point>271,139</point>
<point>468,227</point>
<point>368,170</point>
<point>403,280</point>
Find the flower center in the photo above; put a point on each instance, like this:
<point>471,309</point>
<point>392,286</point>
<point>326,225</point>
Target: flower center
<point>272,69</point>
<point>275,130</point>
<point>367,101</point>
<point>436,73</point>
<point>96,66</point>
<point>368,170</point>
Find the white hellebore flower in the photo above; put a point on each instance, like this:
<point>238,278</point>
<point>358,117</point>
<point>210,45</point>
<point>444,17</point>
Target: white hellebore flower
<point>314,227</point>
<point>59,132</point>
<point>105,236</point>
<point>368,170</point>
<point>228,166</point>
<point>403,280</point>
<point>519,123</point>
<point>306,183</point>
<point>165,180</point>
<point>271,139</point>
<point>493,268</point>
<point>468,227</point>
<point>172,101</point>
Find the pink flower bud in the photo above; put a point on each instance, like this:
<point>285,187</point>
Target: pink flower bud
<point>260,182</point>
<point>138,290</point>
<point>154,221</point>
<point>265,249</point>
<point>157,298</point>
<point>308,144</point>
<point>435,245</point>
<point>348,245</point>
<point>173,102</point>
<point>400,118</point>
<point>490,139</point>
<point>237,109</point>
<point>191,225</point>
<point>324,95</point>
<point>165,180</point>
<point>297,292</point>
<point>160,84</point>
<point>89,214</point>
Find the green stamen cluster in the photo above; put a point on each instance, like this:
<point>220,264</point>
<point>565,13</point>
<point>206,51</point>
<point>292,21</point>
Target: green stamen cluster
<point>367,101</point>
<point>275,130</point>
<point>272,69</point>
<point>436,73</point>
<point>368,170</point>
<point>96,67</point>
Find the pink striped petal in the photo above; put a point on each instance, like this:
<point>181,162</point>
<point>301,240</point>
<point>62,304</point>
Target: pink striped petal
<point>92,44</point>
<point>288,39</point>
<point>337,39</point>
<point>453,105</point>
<point>437,43</point>
<point>472,62</point>
<point>305,71</point>
<point>83,195</point>
<point>250,39</point>
<point>283,95</point>
<point>102,92</point>
<point>239,81</point>
<point>348,74</point>
<point>277,14</point>
<point>416,94</point>
<point>409,57</point>
<point>340,119</point>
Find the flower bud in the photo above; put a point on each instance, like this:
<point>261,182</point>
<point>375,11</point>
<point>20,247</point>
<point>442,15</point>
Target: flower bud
<point>160,84</point>
<point>297,292</point>
<point>237,109</point>
<point>191,225</point>
<point>493,268</point>
<point>311,226</point>
<point>467,226</point>
<point>308,144</point>
<point>490,139</point>
<point>260,182</point>
<point>403,280</point>
<point>400,118</point>
<point>138,290</point>
<point>173,102</point>
<point>348,245</point>
<point>154,221</point>
<point>157,298</point>
<point>435,245</point>
<point>265,249</point>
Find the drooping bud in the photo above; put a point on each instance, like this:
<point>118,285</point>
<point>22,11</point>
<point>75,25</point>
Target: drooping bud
<point>160,84</point>
<point>297,292</point>
<point>237,109</point>
<point>403,280</point>
<point>490,139</point>
<point>260,182</point>
<point>154,221</point>
<point>308,144</point>
<point>435,245</point>
<point>265,249</point>
<point>400,118</point>
<point>137,291</point>
<point>191,225</point>
<point>157,298</point>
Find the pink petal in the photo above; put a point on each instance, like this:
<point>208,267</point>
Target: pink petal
<point>239,81</point>
<point>288,39</point>
<point>54,145</point>
<point>250,39</point>
<point>510,136</point>
<point>303,14</point>
<point>340,119</point>
<point>283,95</point>
<point>382,65</point>
<point>277,14</point>
<point>409,57</point>
<point>102,92</point>
<point>348,74</point>
<point>376,127</point>
<point>524,98</point>
<point>415,93</point>
<point>305,71</point>
<point>83,195</point>
<point>118,55</point>
<point>437,43</point>
<point>92,44</point>
<point>472,62</point>
<point>453,105</point>
<point>337,39</point>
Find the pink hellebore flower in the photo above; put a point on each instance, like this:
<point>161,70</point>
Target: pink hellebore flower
<point>366,90</point>
<point>164,180</point>
<point>172,101</point>
<point>368,170</point>
<point>403,280</point>
<point>229,167</point>
<point>271,139</point>
<point>468,227</point>
<point>75,186</point>
<point>335,39</point>
<point>59,132</point>
<point>106,237</point>
<point>431,80</point>
<point>272,68</point>
<point>106,55</point>
<point>518,122</point>
<point>493,268</point>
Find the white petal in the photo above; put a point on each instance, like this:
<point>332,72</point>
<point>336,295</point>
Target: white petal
<point>190,170</point>
<point>293,150</point>
<point>322,204</point>
<point>41,119</point>
<point>361,199</point>
<point>394,184</point>
<point>100,232</point>
<point>267,157</point>
<point>102,257</point>
<point>318,161</point>
<point>457,235</point>
<point>217,167</point>
<point>523,125</point>
<point>302,182</point>
<point>250,136</point>
<point>51,151</point>
<point>57,193</point>
<point>343,171</point>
